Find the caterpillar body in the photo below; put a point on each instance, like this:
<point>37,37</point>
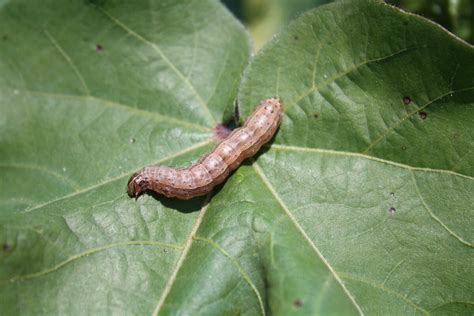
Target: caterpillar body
<point>213,168</point>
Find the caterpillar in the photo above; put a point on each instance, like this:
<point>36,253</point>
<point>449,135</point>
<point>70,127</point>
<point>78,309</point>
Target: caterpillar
<point>213,168</point>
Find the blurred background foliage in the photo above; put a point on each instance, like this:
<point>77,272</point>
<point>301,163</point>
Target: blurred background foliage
<point>264,18</point>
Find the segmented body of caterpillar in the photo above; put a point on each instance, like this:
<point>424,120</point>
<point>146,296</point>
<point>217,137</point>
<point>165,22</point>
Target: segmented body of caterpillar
<point>213,168</point>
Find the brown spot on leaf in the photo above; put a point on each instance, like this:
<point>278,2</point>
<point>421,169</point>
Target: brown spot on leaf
<point>406,100</point>
<point>7,247</point>
<point>392,210</point>
<point>423,115</point>
<point>297,303</point>
<point>99,47</point>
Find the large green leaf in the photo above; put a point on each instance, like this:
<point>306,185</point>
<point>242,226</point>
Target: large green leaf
<point>362,204</point>
<point>91,92</point>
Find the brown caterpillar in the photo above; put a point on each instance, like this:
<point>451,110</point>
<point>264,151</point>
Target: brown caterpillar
<point>213,168</point>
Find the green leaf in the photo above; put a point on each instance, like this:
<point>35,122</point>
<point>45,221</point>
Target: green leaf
<point>91,91</point>
<point>381,189</point>
<point>363,203</point>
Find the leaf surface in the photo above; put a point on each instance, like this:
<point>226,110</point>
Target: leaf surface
<point>92,91</point>
<point>362,204</point>
<point>373,161</point>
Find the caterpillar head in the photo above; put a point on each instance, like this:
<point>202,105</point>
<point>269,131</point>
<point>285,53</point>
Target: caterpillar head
<point>136,185</point>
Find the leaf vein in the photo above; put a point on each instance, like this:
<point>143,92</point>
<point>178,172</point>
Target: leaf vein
<point>391,292</point>
<point>239,268</point>
<point>85,254</point>
<point>180,75</point>
<point>116,105</point>
<point>55,174</point>
<point>69,61</point>
<point>126,174</point>
<point>409,114</point>
<point>179,263</point>
<point>392,270</point>
<point>364,156</point>
<point>270,187</point>
<point>315,88</point>
<point>436,218</point>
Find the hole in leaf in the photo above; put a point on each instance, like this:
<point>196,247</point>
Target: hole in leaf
<point>392,210</point>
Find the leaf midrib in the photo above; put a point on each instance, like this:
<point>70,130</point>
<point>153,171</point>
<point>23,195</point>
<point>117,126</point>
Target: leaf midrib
<point>123,175</point>
<point>270,187</point>
<point>368,157</point>
<point>179,263</point>
<point>411,169</point>
<point>116,105</point>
